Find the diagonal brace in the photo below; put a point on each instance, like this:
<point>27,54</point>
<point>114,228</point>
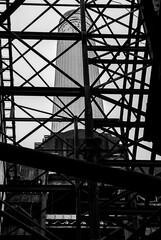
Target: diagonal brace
<point>10,10</point>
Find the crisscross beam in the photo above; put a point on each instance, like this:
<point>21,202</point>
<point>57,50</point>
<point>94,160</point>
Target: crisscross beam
<point>10,10</point>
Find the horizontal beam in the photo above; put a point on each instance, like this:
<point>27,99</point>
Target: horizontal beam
<point>63,36</point>
<point>40,35</point>
<point>64,91</point>
<point>134,181</point>
<point>17,237</point>
<point>98,122</point>
<point>88,5</point>
<point>40,188</point>
<point>130,163</point>
<point>41,91</point>
<point>116,48</point>
<point>34,188</point>
<point>119,61</point>
<point>122,36</point>
<point>128,211</point>
<point>96,5</point>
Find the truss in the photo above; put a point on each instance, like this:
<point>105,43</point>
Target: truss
<point>126,51</point>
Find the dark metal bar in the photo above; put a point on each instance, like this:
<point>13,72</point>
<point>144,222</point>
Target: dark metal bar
<point>115,36</point>
<point>77,182</point>
<point>23,225</point>
<point>62,91</point>
<point>130,211</point>
<point>90,6</point>
<point>43,123</point>
<point>17,237</point>
<point>139,232</point>
<point>98,122</point>
<point>27,219</point>
<point>134,181</point>
<point>116,48</point>
<point>98,91</point>
<point>10,10</point>
<point>89,136</point>
<point>120,61</point>
<point>41,91</point>
<point>136,163</point>
<point>42,56</point>
<point>61,36</point>
<point>118,103</point>
<point>34,188</point>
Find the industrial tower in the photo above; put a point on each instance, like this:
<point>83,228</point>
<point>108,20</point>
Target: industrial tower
<point>69,60</point>
<point>112,197</point>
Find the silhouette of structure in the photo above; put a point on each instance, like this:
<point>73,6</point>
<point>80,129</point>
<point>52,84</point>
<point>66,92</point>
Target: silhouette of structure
<point>70,141</point>
<point>117,192</point>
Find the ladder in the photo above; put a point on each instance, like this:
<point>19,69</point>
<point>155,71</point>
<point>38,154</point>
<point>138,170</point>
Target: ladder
<point>6,80</point>
<point>7,123</point>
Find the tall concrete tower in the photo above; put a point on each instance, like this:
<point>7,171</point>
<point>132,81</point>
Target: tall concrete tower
<point>71,63</point>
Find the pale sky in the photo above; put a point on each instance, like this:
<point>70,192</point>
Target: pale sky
<point>27,66</point>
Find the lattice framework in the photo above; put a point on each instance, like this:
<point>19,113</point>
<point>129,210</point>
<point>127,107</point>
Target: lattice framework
<point>123,54</point>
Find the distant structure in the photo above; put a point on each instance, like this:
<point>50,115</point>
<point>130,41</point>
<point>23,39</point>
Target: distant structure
<point>71,63</point>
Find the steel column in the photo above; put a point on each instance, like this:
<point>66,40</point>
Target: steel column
<point>92,186</point>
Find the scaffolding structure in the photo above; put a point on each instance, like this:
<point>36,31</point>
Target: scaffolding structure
<point>83,189</point>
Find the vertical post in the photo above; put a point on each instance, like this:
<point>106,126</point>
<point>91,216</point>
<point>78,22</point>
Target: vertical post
<point>77,183</point>
<point>92,186</point>
<point>43,199</point>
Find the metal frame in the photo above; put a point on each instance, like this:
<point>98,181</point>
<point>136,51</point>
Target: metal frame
<point>126,56</point>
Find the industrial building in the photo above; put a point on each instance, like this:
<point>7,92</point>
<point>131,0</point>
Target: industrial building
<point>80,123</point>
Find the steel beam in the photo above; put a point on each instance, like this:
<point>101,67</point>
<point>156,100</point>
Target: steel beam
<point>62,91</point>
<point>34,188</point>
<point>98,122</point>
<point>41,91</point>
<point>23,220</point>
<point>134,181</point>
<point>130,211</point>
<point>112,48</point>
<point>10,10</point>
<point>90,6</point>
<point>40,35</point>
<point>89,134</point>
<point>63,36</point>
<point>17,237</point>
<point>119,61</point>
<point>23,225</point>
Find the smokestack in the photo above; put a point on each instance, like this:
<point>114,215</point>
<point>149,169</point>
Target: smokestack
<point>71,63</point>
